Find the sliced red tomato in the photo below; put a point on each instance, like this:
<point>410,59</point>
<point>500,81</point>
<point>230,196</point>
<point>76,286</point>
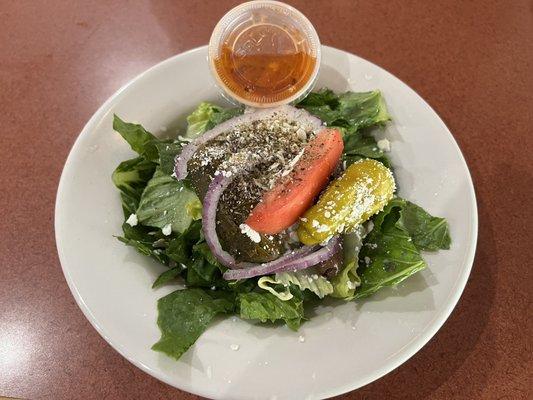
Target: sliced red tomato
<point>289,199</point>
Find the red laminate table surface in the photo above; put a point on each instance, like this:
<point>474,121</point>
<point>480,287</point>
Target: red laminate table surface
<point>471,60</point>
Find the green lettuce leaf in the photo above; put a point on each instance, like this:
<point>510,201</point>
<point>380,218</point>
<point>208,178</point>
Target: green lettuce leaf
<point>131,177</point>
<point>267,307</point>
<point>168,201</point>
<point>324,97</point>
<point>223,114</point>
<point>347,280</point>
<point>143,238</point>
<point>167,155</point>
<point>206,116</point>
<point>364,109</point>
<point>190,257</point>
<point>167,276</point>
<point>279,284</point>
<point>388,256</point>
<point>179,248</point>
<point>201,273</point>
<point>428,232</point>
<point>185,314</point>
<point>140,140</point>
<point>350,110</point>
<point>359,147</point>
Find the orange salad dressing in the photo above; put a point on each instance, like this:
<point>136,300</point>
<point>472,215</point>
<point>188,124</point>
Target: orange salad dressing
<point>265,63</point>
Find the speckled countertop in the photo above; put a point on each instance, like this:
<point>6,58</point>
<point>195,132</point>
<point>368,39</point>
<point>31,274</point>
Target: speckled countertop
<point>471,60</point>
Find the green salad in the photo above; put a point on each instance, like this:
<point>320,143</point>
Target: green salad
<point>265,213</point>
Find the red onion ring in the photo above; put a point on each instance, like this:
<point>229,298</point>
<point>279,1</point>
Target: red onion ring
<point>209,219</point>
<point>303,260</point>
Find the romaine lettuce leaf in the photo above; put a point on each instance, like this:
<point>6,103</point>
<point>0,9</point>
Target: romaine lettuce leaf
<point>428,232</point>
<point>143,238</point>
<point>223,114</point>
<point>140,140</point>
<point>185,314</point>
<point>168,201</point>
<point>192,259</point>
<point>357,147</point>
<point>131,177</point>
<point>167,155</point>
<point>198,120</point>
<point>206,116</point>
<point>267,307</point>
<point>350,110</point>
<point>167,276</point>
<point>347,280</point>
<point>388,255</point>
<point>179,247</point>
<point>279,284</point>
<point>205,267</point>
<point>363,109</point>
<point>324,97</point>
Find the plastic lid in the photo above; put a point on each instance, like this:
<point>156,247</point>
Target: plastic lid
<point>264,54</point>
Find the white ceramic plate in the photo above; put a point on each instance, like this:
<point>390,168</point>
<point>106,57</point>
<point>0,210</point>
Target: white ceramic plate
<point>346,346</point>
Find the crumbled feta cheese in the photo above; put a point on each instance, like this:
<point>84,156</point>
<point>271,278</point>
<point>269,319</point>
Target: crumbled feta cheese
<point>301,134</point>
<point>327,214</point>
<point>235,347</point>
<point>315,223</point>
<point>132,220</point>
<point>293,162</point>
<point>301,338</point>
<point>253,235</point>
<point>167,229</point>
<point>384,145</point>
<point>367,260</point>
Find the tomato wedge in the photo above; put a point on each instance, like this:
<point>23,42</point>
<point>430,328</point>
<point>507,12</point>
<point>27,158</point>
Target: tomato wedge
<point>290,198</point>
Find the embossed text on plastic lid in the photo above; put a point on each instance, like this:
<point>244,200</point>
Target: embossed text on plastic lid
<point>264,54</point>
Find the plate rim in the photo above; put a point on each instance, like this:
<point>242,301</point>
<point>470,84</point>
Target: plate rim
<point>394,363</point>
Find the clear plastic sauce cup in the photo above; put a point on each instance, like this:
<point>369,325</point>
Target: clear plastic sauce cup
<point>264,54</point>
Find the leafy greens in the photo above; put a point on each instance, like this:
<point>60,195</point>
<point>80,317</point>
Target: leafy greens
<point>391,252</point>
<point>185,314</point>
<point>163,221</point>
<point>166,201</point>
<point>267,307</point>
